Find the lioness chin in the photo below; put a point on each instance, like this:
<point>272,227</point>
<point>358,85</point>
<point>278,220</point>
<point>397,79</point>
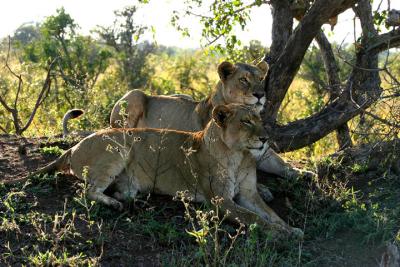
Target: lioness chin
<point>217,161</point>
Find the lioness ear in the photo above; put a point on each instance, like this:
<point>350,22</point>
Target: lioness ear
<point>263,66</point>
<point>221,114</point>
<point>225,69</point>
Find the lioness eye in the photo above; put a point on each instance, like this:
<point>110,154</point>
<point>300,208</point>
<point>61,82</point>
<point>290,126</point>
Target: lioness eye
<point>246,122</point>
<point>244,81</point>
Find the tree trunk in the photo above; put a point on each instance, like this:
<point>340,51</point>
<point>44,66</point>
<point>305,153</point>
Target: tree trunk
<point>282,24</point>
<point>284,69</point>
<point>332,70</point>
<point>361,89</point>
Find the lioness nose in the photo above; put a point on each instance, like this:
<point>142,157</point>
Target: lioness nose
<point>258,94</point>
<point>263,139</point>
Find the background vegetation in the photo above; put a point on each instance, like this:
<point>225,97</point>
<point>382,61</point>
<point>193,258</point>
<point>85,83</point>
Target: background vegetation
<point>52,67</point>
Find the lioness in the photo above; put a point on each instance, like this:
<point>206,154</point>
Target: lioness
<point>214,162</point>
<point>239,83</point>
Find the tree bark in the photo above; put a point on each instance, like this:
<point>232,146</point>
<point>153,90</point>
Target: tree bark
<point>332,70</point>
<point>282,24</point>
<point>361,89</point>
<point>283,71</point>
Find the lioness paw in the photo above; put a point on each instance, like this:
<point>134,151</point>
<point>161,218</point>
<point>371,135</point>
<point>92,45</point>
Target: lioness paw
<point>265,193</point>
<point>297,233</point>
<point>116,205</point>
<point>308,174</point>
<point>299,173</point>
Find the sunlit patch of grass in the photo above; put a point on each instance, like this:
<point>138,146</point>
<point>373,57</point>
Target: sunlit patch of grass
<point>51,150</point>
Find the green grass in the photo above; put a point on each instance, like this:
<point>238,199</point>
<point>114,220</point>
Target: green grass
<point>51,150</point>
<point>49,221</point>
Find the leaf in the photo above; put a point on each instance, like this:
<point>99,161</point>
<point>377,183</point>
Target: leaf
<point>200,234</point>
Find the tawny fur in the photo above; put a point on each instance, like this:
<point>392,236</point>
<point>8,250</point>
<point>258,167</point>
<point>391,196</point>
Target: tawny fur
<point>239,83</point>
<point>217,161</point>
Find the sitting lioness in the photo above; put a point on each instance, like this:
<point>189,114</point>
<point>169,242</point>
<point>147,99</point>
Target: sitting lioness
<point>214,162</point>
<point>239,83</point>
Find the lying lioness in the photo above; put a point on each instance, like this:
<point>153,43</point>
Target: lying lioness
<point>214,162</point>
<point>239,83</point>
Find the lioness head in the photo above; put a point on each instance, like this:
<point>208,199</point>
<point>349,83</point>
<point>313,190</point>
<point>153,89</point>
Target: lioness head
<point>241,126</point>
<point>243,83</point>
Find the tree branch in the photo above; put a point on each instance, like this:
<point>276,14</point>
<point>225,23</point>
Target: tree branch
<point>332,70</point>
<point>282,24</point>
<point>362,90</point>
<point>285,68</point>
<point>383,42</point>
<point>4,130</point>
<point>303,132</point>
<point>331,67</point>
<point>41,96</point>
<point>391,124</point>
<point>4,104</point>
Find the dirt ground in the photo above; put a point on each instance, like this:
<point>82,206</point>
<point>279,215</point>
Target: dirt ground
<point>19,156</point>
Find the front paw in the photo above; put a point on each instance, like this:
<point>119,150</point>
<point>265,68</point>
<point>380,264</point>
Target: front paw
<point>115,204</point>
<point>308,174</point>
<point>297,233</point>
<point>299,173</point>
<point>285,232</point>
<point>264,192</point>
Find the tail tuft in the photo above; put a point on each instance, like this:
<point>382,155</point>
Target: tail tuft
<point>70,114</point>
<point>74,113</point>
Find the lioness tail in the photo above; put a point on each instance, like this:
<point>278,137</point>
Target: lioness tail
<point>59,164</point>
<point>70,114</point>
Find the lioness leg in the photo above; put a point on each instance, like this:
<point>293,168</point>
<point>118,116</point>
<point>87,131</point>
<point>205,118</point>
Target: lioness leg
<point>250,199</point>
<point>271,162</point>
<point>96,193</point>
<point>265,193</point>
<point>255,203</point>
<point>98,185</point>
<point>125,187</point>
<point>248,217</point>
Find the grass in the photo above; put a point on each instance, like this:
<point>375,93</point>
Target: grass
<point>49,221</point>
<point>51,150</point>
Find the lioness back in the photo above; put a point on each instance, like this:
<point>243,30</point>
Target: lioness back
<point>239,83</point>
<point>146,111</point>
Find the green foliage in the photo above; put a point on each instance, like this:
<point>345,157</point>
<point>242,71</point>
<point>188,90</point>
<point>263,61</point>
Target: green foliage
<point>313,69</point>
<point>220,23</point>
<point>51,150</point>
<point>206,228</point>
<point>359,168</point>
<point>182,71</point>
<point>79,59</point>
<point>124,37</point>
<point>379,18</point>
<point>26,34</point>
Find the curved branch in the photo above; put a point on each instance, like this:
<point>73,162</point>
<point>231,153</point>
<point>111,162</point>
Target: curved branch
<point>362,90</point>
<point>332,70</point>
<point>331,67</point>
<point>42,95</point>
<point>306,131</point>
<point>383,42</point>
<point>285,68</point>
